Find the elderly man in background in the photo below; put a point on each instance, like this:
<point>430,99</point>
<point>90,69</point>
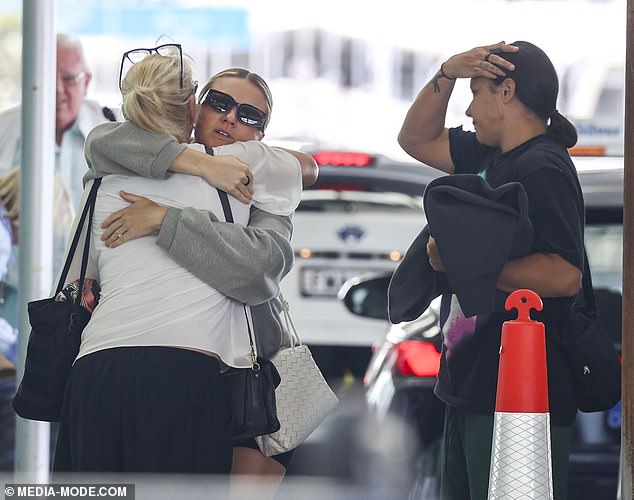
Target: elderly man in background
<point>75,117</point>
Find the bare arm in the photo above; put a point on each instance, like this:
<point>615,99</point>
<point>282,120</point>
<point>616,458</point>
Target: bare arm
<point>142,218</point>
<point>423,134</point>
<point>547,274</point>
<point>309,167</point>
<point>225,172</point>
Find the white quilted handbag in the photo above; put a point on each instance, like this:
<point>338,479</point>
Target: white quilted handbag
<point>303,397</point>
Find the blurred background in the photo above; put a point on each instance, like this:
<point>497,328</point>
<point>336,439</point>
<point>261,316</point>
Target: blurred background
<point>343,72</point>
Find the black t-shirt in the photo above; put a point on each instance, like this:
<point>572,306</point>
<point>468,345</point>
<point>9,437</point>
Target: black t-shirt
<point>470,357</point>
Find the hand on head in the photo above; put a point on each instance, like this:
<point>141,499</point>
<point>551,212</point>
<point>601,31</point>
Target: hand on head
<point>486,62</point>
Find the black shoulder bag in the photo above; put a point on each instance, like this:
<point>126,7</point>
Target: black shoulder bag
<point>595,363</point>
<point>56,329</point>
<point>251,391</point>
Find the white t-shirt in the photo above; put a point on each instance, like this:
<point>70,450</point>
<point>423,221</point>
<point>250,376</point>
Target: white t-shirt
<point>147,299</point>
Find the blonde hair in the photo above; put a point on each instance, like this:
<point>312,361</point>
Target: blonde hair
<point>244,74</point>
<point>153,98</point>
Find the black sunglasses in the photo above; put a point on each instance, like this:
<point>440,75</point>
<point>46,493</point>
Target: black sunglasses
<point>247,114</point>
<point>136,55</point>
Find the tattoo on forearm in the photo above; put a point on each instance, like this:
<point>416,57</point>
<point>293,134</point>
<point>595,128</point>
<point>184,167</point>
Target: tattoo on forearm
<point>434,82</point>
<point>439,74</point>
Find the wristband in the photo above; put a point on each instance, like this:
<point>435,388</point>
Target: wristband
<point>439,74</point>
<point>443,74</point>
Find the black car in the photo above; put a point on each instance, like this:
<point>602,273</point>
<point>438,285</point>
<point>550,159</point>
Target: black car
<point>402,372</point>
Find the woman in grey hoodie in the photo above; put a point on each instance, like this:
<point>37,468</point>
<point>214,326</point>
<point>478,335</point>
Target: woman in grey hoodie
<point>198,239</point>
<point>145,393</point>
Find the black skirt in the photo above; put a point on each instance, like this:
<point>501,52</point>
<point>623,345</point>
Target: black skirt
<point>145,409</point>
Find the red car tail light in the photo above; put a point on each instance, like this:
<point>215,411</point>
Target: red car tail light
<point>343,158</point>
<point>418,359</point>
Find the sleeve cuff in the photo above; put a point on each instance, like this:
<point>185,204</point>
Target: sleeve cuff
<point>165,158</point>
<point>168,228</point>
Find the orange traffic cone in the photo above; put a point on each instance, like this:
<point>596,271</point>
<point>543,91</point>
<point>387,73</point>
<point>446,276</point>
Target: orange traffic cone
<point>520,458</point>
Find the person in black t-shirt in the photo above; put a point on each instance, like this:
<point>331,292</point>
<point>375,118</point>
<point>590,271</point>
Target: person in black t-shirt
<point>519,136</point>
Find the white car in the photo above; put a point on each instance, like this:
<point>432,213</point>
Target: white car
<point>360,216</point>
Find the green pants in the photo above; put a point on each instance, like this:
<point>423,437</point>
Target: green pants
<point>466,456</point>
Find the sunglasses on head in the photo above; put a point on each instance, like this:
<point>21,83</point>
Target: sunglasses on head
<point>136,55</point>
<point>247,114</point>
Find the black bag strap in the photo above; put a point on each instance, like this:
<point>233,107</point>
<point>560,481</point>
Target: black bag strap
<point>89,208</point>
<point>589,301</point>
<point>226,208</point>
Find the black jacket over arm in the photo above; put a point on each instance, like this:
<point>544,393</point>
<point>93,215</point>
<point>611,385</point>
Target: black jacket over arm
<point>476,229</point>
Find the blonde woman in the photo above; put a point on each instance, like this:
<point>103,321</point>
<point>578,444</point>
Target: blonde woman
<point>234,105</point>
<point>145,393</point>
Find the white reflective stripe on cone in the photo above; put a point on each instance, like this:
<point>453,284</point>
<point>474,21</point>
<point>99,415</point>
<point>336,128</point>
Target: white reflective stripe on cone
<point>521,464</point>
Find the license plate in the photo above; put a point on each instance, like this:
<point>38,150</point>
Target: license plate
<point>324,281</point>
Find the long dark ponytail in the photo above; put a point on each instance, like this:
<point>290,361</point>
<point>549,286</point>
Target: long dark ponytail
<point>537,87</point>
